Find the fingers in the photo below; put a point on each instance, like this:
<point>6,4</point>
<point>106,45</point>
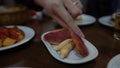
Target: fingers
<point>60,14</point>
<point>74,8</point>
<point>77,3</point>
<point>65,20</point>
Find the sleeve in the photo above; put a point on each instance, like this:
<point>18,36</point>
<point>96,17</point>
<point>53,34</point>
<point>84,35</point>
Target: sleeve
<point>30,4</point>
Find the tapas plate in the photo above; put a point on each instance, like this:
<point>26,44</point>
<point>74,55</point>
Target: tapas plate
<point>114,62</point>
<point>29,34</point>
<point>106,20</point>
<point>73,57</point>
<point>86,20</point>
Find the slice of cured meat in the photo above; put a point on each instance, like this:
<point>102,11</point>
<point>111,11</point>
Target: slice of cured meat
<point>57,36</point>
<point>79,44</point>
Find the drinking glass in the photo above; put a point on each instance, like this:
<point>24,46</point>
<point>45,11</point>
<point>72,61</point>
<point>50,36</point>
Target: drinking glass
<point>117,22</point>
<point>117,26</point>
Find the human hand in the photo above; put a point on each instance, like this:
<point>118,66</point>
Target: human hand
<point>64,12</point>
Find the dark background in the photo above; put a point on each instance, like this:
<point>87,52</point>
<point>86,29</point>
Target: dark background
<point>96,8</point>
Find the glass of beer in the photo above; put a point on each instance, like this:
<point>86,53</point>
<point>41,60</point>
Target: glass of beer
<point>117,26</point>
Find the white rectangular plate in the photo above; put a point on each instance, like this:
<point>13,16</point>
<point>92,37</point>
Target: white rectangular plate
<point>73,57</point>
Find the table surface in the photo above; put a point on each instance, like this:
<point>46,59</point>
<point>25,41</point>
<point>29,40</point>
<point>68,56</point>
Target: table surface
<point>34,54</point>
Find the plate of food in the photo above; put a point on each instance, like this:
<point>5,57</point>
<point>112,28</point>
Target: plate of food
<point>66,47</point>
<point>107,21</point>
<point>85,19</point>
<point>114,62</point>
<point>13,36</point>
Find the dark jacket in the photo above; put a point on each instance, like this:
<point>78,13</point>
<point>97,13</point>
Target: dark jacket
<point>30,4</point>
<point>100,8</point>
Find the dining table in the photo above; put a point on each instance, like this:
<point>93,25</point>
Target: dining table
<point>34,54</point>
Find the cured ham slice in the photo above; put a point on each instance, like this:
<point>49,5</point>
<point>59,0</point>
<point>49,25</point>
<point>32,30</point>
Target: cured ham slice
<point>57,36</point>
<point>79,44</point>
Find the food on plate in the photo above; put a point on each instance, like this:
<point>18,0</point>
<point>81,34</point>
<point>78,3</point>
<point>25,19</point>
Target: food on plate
<point>64,47</point>
<point>57,36</point>
<point>8,41</point>
<point>16,33</point>
<point>9,36</point>
<point>65,50</point>
<point>65,41</point>
<point>78,19</point>
<point>62,44</point>
<point>79,44</point>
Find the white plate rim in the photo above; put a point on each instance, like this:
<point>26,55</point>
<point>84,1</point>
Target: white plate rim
<point>86,20</point>
<point>113,61</point>
<point>105,20</point>
<point>29,34</point>
<point>93,54</point>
